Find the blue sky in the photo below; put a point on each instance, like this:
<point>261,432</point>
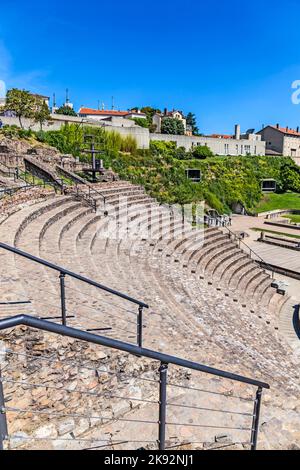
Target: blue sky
<point>227,61</point>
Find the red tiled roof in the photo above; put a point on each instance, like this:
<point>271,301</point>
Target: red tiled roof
<point>284,130</point>
<point>98,112</point>
<point>221,136</point>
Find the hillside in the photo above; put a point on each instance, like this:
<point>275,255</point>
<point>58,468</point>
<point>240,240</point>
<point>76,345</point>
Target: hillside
<point>161,169</point>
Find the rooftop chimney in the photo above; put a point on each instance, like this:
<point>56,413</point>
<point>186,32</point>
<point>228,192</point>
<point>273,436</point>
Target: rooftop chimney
<point>287,128</point>
<point>237,132</point>
<point>297,129</point>
<point>166,111</point>
<point>277,125</point>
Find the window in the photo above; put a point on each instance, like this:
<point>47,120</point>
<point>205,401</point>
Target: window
<point>193,175</point>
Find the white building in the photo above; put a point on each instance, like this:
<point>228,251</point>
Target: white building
<point>237,144</point>
<point>158,118</point>
<point>281,140</point>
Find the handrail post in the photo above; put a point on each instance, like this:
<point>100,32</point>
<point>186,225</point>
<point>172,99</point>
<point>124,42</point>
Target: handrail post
<point>255,422</point>
<point>3,420</point>
<point>63,298</point>
<point>163,371</point>
<point>140,327</point>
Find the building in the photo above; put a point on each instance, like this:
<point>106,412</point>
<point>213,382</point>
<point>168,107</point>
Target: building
<point>157,120</point>
<point>9,113</point>
<point>101,114</point>
<point>46,99</point>
<point>220,144</point>
<point>281,141</point>
<point>35,95</point>
<point>135,114</point>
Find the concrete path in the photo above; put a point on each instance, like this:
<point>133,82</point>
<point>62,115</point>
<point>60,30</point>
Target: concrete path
<point>283,257</point>
<point>271,254</point>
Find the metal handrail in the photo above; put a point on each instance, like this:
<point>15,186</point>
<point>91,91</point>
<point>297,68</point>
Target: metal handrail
<point>81,335</point>
<point>87,185</point>
<point>164,359</point>
<point>18,176</point>
<point>12,191</point>
<point>66,272</point>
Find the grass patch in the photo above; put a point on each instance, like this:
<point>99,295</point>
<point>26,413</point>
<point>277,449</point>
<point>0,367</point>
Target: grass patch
<point>294,218</point>
<point>271,202</point>
<point>34,180</point>
<point>289,235</point>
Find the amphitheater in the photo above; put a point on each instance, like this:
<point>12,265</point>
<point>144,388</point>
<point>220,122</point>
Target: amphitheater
<point>209,303</point>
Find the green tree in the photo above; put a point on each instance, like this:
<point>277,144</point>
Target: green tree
<point>42,112</point>
<point>202,152</point>
<point>290,177</point>
<point>149,111</point>
<point>66,111</point>
<point>181,154</point>
<point>141,122</point>
<point>172,126</point>
<point>191,121</point>
<point>21,102</point>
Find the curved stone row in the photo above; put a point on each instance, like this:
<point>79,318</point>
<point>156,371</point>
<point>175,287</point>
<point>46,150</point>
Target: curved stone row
<point>51,230</point>
<point>208,301</point>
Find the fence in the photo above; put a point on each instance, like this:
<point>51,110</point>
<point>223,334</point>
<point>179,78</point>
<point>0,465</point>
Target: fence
<point>163,419</point>
<point>65,273</point>
<point>89,194</point>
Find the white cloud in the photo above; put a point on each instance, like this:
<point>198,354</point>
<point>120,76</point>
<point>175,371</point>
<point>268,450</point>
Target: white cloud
<point>5,61</point>
<point>29,79</point>
<point>2,89</point>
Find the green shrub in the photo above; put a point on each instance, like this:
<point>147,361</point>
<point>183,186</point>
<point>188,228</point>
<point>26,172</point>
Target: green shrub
<point>128,144</point>
<point>172,126</point>
<point>16,132</point>
<point>162,168</point>
<point>141,122</point>
<point>181,154</point>
<point>202,152</point>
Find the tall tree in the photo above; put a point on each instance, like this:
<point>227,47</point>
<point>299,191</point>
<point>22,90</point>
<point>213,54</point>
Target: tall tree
<point>21,102</point>
<point>42,112</point>
<point>192,121</point>
<point>172,126</point>
<point>149,111</point>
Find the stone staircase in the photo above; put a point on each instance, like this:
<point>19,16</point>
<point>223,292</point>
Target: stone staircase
<point>207,298</point>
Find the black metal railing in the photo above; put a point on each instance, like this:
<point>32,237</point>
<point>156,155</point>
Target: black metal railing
<point>64,273</point>
<point>89,194</point>
<point>12,191</point>
<point>249,424</point>
<point>23,176</point>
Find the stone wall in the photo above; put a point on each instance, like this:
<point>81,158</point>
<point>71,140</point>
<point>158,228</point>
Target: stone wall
<point>40,170</point>
<point>76,393</point>
<point>139,133</point>
<point>218,146</point>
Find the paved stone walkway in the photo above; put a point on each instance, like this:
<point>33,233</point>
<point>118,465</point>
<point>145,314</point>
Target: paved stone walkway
<point>284,257</point>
